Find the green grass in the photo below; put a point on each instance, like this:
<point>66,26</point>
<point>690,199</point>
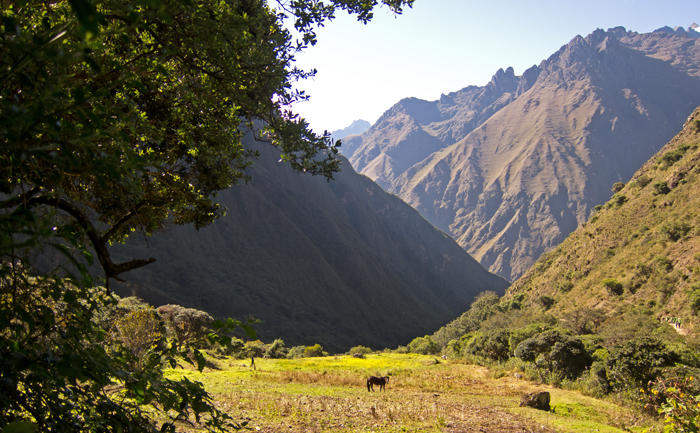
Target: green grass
<point>330,394</point>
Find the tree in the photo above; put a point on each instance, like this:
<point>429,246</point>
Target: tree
<point>119,118</point>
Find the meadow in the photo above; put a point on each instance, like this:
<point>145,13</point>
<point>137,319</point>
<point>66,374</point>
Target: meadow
<point>423,394</point>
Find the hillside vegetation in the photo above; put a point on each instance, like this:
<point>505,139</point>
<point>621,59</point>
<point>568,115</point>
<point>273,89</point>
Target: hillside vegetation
<point>639,253</point>
<point>612,311</point>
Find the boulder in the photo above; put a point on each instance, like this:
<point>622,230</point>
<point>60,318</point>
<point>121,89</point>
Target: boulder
<point>537,400</point>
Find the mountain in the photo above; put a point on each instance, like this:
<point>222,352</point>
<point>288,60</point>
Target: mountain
<point>639,253</point>
<point>357,127</point>
<point>511,168</point>
<point>338,263</point>
<point>413,129</point>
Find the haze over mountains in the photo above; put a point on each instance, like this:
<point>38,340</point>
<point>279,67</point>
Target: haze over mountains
<point>511,168</point>
<point>339,263</point>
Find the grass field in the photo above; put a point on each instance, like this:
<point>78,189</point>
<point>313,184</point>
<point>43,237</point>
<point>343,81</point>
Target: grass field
<point>330,394</point>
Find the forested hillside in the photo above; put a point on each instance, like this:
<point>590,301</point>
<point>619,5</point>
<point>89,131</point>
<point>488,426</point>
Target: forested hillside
<point>339,263</point>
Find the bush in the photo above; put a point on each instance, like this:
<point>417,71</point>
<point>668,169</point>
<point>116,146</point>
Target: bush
<point>276,349</point>
<point>313,351</point>
<point>643,180</point>
<point>613,286</point>
<point>362,350</point>
<point>637,363</point>
<point>661,188</point>
<point>139,330</point>
<point>423,346</point>
<point>492,345</point>
<point>664,263</point>
<point>546,301</point>
<point>675,230</point>
<point>617,187</point>
<point>296,352</point>
<point>557,352</point>
<point>619,199</point>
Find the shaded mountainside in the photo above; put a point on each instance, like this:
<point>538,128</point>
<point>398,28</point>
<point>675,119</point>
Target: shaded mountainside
<point>339,263</point>
<point>547,147</point>
<point>639,252</point>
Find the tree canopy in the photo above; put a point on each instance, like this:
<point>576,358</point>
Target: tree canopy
<point>118,118</point>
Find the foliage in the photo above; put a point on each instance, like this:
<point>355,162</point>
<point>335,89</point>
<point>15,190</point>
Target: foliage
<point>637,363</point>
<point>313,351</point>
<point>546,301</point>
<point>674,230</point>
<point>361,350</point>
<point>643,180</point>
<point>681,406</point>
<point>185,323</point>
<point>492,345</point>
<point>276,349</point>
<point>617,187</point>
<point>613,286</point>
<point>138,331</point>
<point>671,157</point>
<point>62,372</point>
<point>661,188</point>
<point>120,118</point>
<point>296,352</point>
<point>423,346</point>
<point>555,351</point>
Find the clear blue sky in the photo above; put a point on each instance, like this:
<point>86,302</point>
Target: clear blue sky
<point>441,46</point>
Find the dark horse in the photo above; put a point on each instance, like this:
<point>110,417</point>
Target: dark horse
<point>374,380</point>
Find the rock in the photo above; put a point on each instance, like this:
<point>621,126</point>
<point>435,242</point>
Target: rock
<point>537,400</point>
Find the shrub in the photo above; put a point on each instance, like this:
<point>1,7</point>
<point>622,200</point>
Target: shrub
<point>675,230</point>
<point>276,349</point>
<point>313,351</point>
<point>661,188</point>
<point>694,302</point>
<point>637,363</point>
<point>557,352</point>
<point>673,156</point>
<point>643,180</point>
<point>617,187</point>
<point>619,199</point>
<point>423,346</point>
<point>138,330</point>
<point>361,350</point>
<point>546,301</point>
<point>296,352</point>
<point>492,345</point>
<point>613,286</point>
<point>664,263</point>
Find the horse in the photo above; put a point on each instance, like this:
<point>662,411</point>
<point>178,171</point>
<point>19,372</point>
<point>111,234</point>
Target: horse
<point>374,380</point>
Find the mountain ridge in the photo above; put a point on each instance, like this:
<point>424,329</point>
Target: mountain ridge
<point>523,178</point>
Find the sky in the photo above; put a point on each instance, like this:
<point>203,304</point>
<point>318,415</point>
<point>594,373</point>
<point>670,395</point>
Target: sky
<point>441,46</point>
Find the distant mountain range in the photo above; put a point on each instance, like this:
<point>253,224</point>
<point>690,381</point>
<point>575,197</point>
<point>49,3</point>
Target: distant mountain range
<point>357,127</point>
<point>511,168</point>
<point>339,263</point>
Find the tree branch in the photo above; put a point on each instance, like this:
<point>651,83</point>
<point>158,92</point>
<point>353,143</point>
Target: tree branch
<point>99,243</point>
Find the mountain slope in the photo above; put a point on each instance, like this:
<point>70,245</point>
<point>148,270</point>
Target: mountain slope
<point>529,174</point>
<point>339,263</point>
<point>413,129</point>
<point>640,251</point>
